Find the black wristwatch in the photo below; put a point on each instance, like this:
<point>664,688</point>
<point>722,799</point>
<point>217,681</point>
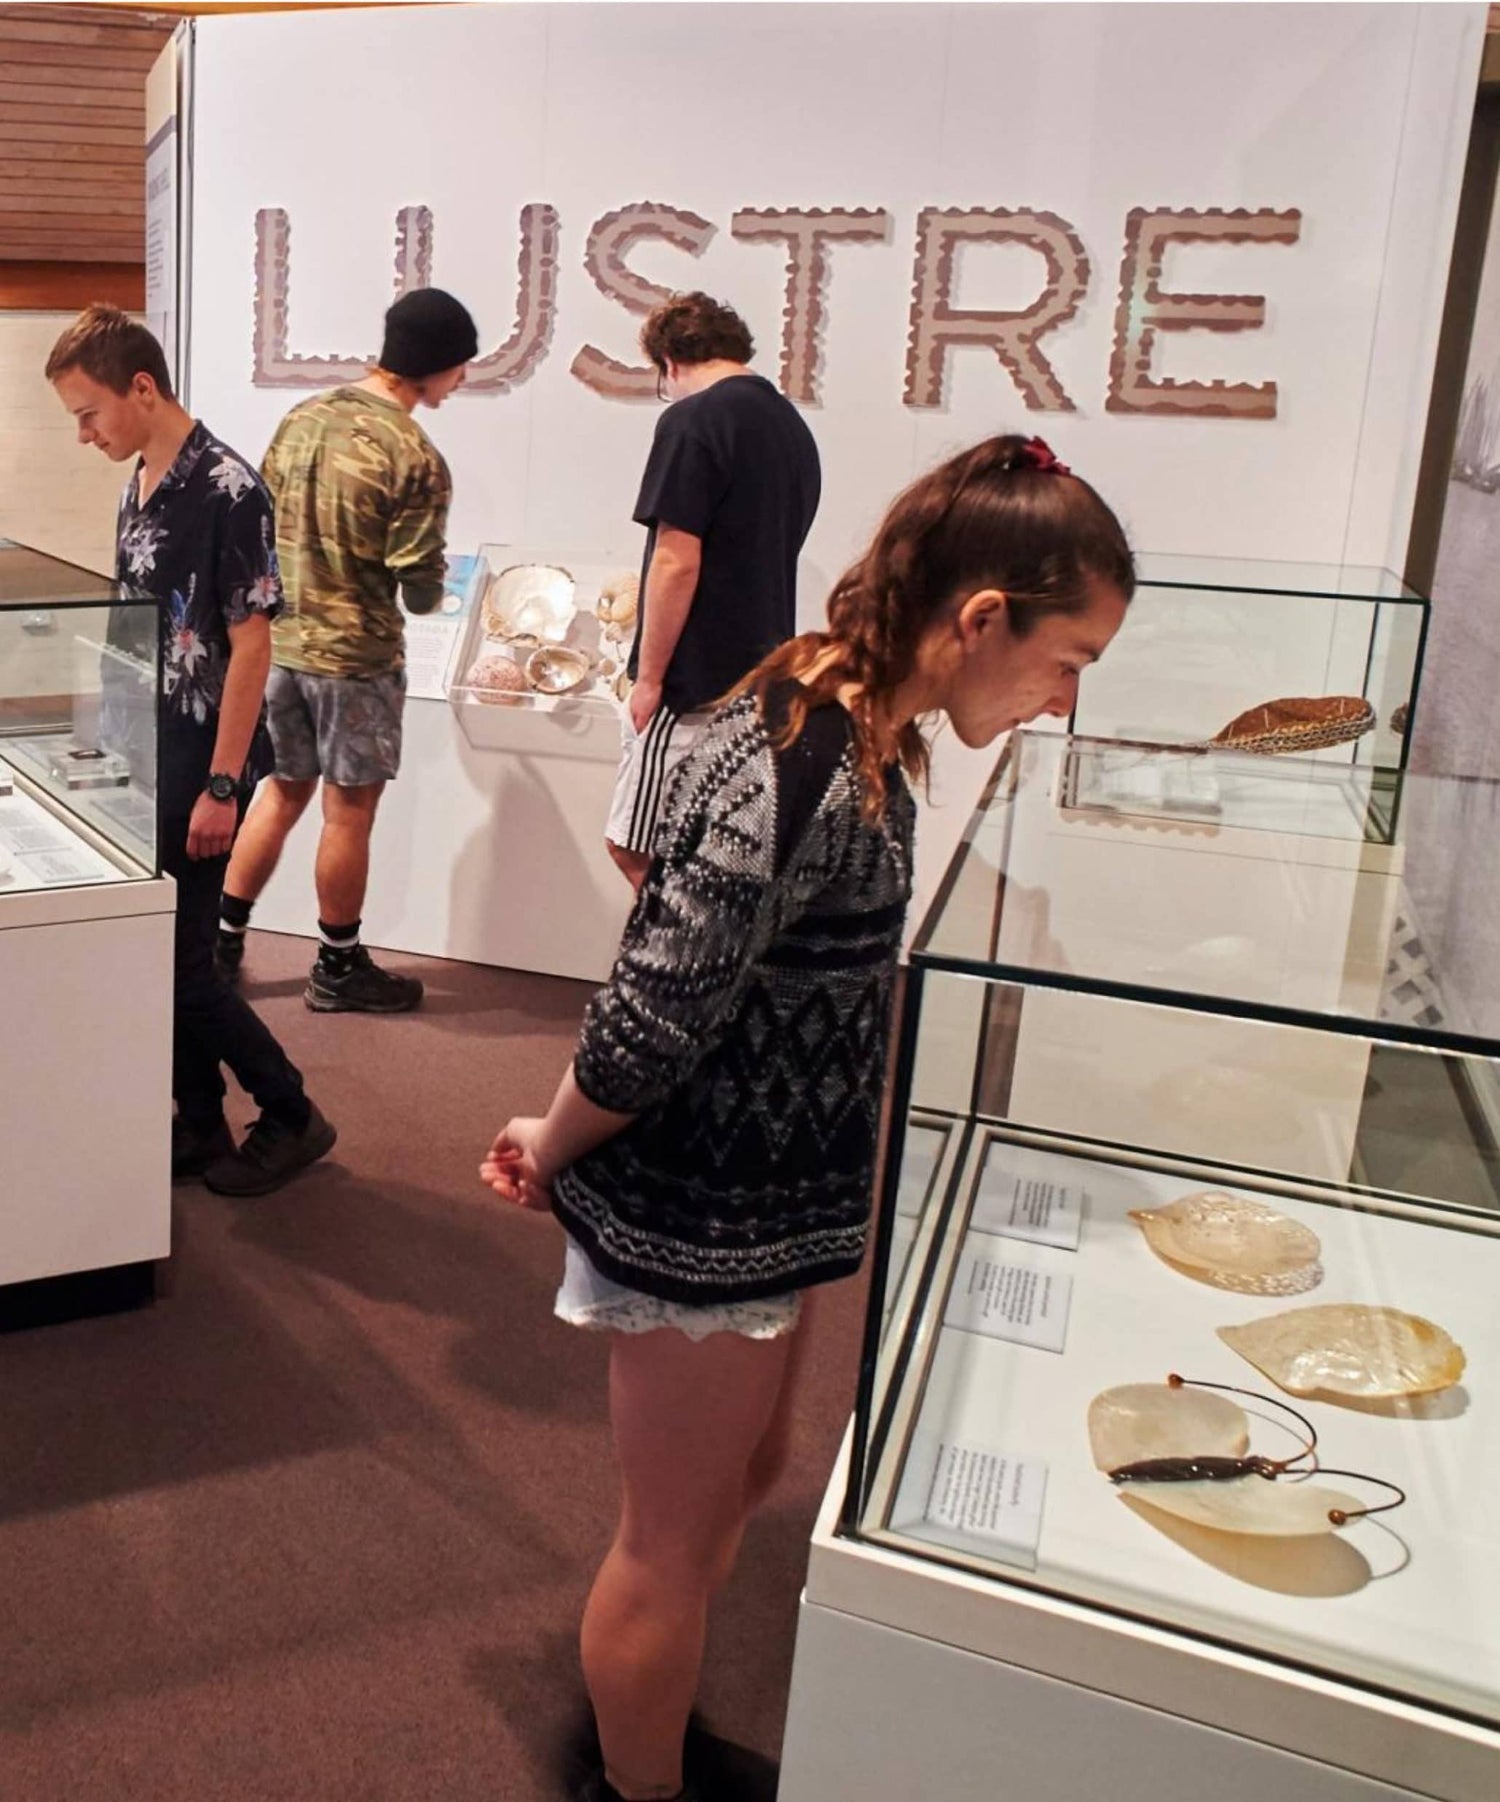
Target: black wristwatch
<point>222,787</point>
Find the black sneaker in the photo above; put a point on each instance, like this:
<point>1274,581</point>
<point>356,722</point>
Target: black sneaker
<point>229,955</point>
<point>271,1155</point>
<point>194,1149</point>
<point>361,987</point>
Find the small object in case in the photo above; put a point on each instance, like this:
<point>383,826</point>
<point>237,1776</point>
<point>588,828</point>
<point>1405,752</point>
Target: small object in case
<point>1205,1474</point>
<point>554,669</point>
<point>1233,1244</point>
<point>1348,1351</point>
<point>1302,723</point>
<point>85,766</point>
<point>530,601</point>
<point>498,680</point>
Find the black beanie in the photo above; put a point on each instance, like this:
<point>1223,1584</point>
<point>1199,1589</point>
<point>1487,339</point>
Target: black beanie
<point>427,331</point>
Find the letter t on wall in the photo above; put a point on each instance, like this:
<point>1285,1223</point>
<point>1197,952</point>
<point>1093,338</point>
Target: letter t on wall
<point>1144,310</point>
<point>937,325</point>
<point>807,234</point>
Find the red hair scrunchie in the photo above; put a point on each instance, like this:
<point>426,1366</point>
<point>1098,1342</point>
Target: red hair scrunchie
<point>1038,454</point>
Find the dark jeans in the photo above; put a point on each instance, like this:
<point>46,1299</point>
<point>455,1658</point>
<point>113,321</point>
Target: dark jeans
<point>211,1024</point>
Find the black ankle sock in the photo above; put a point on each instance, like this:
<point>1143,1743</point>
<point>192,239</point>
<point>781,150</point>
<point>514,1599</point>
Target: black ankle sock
<point>339,944</point>
<point>234,914</point>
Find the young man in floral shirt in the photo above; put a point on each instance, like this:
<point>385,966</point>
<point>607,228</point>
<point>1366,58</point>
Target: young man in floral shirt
<point>195,533</point>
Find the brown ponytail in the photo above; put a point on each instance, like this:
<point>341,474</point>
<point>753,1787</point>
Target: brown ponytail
<point>1003,515</point>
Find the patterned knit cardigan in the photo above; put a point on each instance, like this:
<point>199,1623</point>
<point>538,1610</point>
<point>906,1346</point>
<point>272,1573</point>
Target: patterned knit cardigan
<point>745,1024</point>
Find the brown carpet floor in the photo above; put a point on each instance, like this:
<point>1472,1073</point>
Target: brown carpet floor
<point>319,1523</point>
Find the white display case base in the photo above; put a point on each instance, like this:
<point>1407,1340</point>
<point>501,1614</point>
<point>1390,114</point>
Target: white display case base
<point>86,1081</point>
<point>879,1715</point>
<point>488,855</point>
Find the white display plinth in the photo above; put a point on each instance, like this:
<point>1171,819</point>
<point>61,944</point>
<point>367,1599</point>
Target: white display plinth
<point>920,1680</point>
<point>491,855</point>
<point>86,1088</point>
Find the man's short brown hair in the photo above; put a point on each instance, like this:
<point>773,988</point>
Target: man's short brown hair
<point>111,348</point>
<point>695,328</point>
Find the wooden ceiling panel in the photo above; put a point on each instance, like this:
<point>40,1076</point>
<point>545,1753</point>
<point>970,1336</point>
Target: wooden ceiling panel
<point>72,132</point>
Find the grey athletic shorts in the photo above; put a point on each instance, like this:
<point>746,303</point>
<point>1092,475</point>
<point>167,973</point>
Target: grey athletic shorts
<point>346,729</point>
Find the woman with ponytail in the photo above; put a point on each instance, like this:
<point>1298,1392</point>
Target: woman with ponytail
<point>711,1151</point>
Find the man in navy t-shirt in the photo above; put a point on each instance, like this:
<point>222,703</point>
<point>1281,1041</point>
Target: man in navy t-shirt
<point>727,500</point>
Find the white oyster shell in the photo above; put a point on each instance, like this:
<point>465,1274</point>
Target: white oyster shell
<point>1154,1420</point>
<point>530,600</point>
<point>1349,1349</point>
<point>554,669</point>
<point>1233,1243</point>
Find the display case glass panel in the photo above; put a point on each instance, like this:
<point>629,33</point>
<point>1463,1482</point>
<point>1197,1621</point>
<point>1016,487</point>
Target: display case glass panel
<point>550,633</point>
<point>1188,1098</point>
<point>1321,659</point>
<point>79,681</point>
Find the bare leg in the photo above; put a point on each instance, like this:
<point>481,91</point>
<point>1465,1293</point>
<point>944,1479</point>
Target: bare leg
<point>688,1421</point>
<point>633,865</point>
<point>768,1460</point>
<point>257,850</point>
<point>342,871</point>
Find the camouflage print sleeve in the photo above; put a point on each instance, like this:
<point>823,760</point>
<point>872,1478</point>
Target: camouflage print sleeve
<point>270,468</point>
<point>415,537</point>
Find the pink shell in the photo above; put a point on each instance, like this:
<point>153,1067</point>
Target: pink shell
<point>498,672</point>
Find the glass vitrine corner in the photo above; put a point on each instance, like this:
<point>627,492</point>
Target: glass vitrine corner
<point>80,687</point>
<point>1128,1049</point>
<point>1323,659</point>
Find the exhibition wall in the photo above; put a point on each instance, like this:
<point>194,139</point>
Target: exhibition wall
<point>1202,250</point>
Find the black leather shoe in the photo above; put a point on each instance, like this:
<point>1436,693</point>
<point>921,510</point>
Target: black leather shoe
<point>270,1157</point>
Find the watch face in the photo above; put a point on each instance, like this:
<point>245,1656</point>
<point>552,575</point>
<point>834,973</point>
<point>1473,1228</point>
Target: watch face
<point>221,787</point>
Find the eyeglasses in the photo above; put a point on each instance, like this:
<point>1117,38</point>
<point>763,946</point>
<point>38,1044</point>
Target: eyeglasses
<point>661,384</point>
<point>1213,1469</point>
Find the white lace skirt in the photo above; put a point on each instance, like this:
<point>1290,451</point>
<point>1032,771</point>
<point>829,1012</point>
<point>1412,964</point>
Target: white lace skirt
<point>587,1298</point>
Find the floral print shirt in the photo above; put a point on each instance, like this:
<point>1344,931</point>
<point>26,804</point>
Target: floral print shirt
<point>204,547</point>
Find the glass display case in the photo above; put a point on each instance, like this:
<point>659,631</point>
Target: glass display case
<point>1316,660</point>
<point>549,633</point>
<point>79,679</point>
<point>1189,1234</point>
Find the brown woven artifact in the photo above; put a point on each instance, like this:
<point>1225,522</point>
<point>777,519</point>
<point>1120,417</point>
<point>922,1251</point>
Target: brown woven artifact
<point>1303,723</point>
<point>1399,717</point>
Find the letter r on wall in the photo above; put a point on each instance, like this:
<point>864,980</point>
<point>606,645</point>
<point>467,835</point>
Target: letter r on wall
<point>937,324</point>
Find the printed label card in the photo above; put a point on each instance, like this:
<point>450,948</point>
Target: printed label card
<point>1020,1196</point>
<point>988,1497</point>
<point>1010,1301</point>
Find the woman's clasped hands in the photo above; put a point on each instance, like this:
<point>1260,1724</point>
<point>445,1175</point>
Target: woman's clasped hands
<point>513,1168</point>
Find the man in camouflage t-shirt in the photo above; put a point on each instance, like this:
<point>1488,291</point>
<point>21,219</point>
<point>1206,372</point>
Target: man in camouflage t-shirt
<point>361,497</point>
